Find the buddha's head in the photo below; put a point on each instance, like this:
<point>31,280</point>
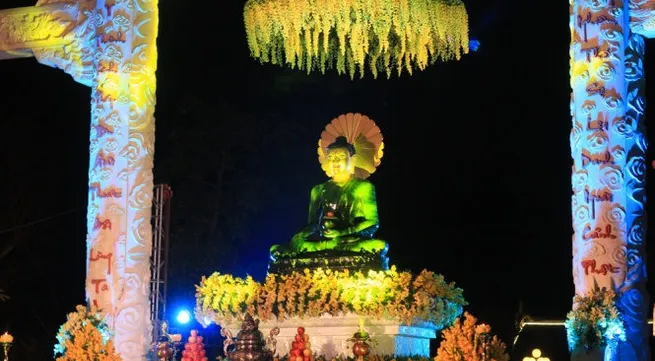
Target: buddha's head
<point>339,158</point>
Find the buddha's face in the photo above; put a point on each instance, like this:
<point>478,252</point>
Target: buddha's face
<point>339,163</point>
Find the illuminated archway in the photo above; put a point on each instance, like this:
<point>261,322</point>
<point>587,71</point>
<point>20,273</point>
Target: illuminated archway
<point>111,47</point>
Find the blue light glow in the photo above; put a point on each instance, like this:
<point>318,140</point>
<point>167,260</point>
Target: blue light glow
<point>474,45</point>
<point>183,317</point>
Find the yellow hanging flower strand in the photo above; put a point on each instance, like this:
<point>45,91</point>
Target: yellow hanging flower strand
<point>349,35</point>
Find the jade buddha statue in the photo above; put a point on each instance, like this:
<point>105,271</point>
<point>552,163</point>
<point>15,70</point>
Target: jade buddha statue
<point>343,212</point>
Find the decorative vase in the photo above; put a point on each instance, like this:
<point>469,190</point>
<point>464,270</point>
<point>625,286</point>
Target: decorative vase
<point>361,348</point>
<point>250,343</point>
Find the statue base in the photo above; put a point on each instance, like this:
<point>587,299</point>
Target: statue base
<point>329,335</point>
<point>331,259</point>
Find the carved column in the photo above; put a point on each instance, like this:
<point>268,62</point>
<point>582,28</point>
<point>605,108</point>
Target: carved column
<point>608,147</point>
<point>120,173</point>
<point>113,49</point>
<point>111,46</point>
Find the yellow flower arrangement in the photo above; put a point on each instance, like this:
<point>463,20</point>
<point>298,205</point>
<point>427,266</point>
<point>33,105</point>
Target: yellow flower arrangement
<point>594,320</point>
<point>223,298</point>
<point>85,337</point>
<point>350,34</point>
<point>470,341</point>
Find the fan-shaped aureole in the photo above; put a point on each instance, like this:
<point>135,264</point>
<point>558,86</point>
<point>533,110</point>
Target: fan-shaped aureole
<point>362,132</point>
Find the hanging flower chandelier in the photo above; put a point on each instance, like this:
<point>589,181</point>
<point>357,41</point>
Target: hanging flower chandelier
<point>352,35</point>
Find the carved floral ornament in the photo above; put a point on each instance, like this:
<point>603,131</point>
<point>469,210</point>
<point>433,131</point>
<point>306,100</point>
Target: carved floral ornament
<point>32,27</point>
<point>351,35</point>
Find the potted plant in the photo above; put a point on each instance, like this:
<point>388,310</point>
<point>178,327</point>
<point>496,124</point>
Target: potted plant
<point>593,323</point>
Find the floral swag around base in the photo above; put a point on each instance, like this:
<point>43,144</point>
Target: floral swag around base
<point>594,320</point>
<point>222,298</point>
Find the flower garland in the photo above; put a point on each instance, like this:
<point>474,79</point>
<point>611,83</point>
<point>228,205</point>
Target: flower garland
<point>348,34</point>
<point>371,357</point>
<point>85,337</point>
<point>469,340</point>
<point>399,295</point>
<point>594,320</point>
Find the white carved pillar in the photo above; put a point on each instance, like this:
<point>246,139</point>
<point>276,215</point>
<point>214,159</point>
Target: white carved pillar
<point>113,49</point>
<point>608,148</point>
<point>109,45</point>
<point>120,173</point>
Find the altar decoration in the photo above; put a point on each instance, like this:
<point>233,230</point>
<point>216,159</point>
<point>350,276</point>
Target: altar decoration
<point>467,339</point>
<point>164,347</point>
<point>594,320</point>
<point>85,336</point>
<point>164,351</point>
<point>249,345</point>
<point>194,349</point>
<point>361,346</point>
<point>351,35</point>
<point>332,276</point>
<point>223,298</point>
<point>301,349</point>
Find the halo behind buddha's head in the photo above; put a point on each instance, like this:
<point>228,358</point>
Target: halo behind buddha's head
<point>362,133</point>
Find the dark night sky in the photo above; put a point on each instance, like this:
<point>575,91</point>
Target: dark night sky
<point>474,183</point>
